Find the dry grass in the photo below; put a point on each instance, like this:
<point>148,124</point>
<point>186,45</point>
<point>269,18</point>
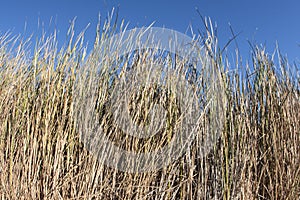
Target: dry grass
<point>41,157</point>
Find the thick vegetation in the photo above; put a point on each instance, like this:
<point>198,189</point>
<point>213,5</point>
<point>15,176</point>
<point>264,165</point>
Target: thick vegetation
<point>42,157</point>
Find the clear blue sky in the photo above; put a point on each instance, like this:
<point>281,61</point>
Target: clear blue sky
<point>260,21</point>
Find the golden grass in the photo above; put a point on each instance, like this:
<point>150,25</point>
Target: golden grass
<point>42,157</point>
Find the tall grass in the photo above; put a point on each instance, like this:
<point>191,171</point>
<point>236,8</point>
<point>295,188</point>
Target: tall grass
<point>42,157</point>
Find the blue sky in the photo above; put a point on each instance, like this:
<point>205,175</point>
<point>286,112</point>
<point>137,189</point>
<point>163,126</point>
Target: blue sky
<point>259,21</point>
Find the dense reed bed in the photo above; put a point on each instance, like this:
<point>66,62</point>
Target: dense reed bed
<point>42,156</point>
